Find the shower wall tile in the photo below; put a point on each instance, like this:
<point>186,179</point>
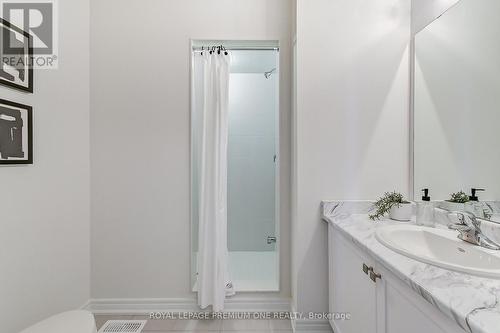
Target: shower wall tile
<point>251,165</point>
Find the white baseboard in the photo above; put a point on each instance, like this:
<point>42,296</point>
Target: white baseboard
<point>137,306</point>
<point>85,306</point>
<point>310,325</point>
<point>258,304</point>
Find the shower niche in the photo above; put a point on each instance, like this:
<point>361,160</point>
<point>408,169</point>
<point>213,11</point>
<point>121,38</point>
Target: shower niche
<point>252,162</point>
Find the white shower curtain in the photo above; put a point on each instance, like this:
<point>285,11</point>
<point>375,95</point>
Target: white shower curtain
<point>213,281</point>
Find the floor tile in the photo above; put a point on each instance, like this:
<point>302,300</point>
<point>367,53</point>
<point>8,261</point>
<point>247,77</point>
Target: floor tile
<point>247,331</point>
<point>196,331</point>
<point>285,325</point>
<point>197,325</point>
<point>246,325</point>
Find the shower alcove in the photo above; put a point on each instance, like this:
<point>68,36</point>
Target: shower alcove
<point>252,162</point>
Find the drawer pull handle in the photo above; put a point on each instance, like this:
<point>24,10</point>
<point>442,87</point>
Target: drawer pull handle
<point>374,276</point>
<point>367,269</point>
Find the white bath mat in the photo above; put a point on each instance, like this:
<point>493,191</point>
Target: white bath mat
<point>123,326</point>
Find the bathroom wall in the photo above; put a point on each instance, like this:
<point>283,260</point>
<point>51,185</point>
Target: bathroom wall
<point>44,224</point>
<point>351,124</point>
<point>140,135</point>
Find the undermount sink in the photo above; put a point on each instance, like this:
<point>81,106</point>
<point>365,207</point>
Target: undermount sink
<point>439,247</point>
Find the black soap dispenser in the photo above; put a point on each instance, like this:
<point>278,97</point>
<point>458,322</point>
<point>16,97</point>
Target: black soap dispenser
<point>473,196</point>
<point>426,196</point>
<point>425,210</point>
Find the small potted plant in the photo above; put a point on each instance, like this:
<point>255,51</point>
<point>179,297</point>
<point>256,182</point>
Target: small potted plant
<point>395,205</point>
<point>459,197</point>
<point>459,201</point>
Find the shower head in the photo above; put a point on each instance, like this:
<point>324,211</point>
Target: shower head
<point>268,74</point>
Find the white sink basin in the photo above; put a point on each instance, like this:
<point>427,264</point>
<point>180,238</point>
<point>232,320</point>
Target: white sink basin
<point>440,247</point>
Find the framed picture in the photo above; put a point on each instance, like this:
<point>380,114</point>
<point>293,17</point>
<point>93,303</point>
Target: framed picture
<point>16,55</point>
<point>16,133</point>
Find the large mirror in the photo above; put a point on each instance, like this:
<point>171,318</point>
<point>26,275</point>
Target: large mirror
<point>457,103</point>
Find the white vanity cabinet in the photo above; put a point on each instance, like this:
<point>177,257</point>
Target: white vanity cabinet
<point>351,291</point>
<point>385,305</point>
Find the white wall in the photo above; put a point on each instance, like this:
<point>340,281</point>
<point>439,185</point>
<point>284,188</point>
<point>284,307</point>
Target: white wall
<point>44,224</point>
<point>140,132</point>
<point>456,101</point>
<point>351,121</point>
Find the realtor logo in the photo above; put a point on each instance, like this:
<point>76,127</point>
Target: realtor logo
<point>39,19</point>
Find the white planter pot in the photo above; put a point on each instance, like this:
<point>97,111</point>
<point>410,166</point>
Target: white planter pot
<point>401,213</point>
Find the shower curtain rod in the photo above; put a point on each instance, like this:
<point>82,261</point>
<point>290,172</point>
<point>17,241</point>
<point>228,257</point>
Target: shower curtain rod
<point>198,49</point>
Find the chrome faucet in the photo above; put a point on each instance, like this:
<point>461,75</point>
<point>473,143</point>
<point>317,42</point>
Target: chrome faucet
<point>469,228</point>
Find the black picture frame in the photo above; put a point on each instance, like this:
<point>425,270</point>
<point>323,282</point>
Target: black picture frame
<point>6,26</point>
<point>28,110</point>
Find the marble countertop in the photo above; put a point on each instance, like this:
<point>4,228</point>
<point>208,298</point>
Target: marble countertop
<point>471,301</point>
